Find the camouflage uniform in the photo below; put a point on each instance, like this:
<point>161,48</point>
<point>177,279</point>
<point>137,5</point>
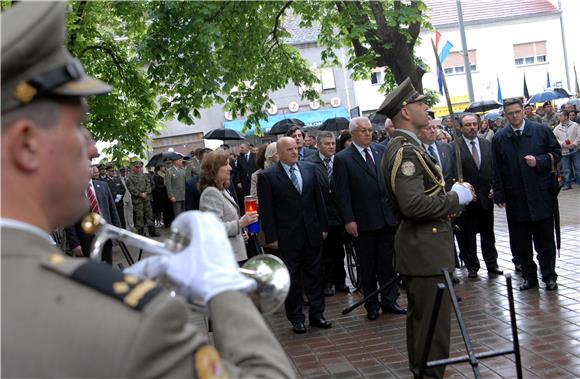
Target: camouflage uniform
<point>551,119</point>
<point>137,183</point>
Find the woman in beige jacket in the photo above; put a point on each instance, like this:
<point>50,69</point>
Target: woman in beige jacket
<point>214,178</point>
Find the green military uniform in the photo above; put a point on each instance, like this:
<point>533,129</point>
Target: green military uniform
<point>551,119</point>
<point>75,318</point>
<point>175,185</point>
<point>424,237</point>
<point>535,118</point>
<point>138,183</point>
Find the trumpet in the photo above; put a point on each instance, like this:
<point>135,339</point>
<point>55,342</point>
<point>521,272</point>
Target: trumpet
<point>269,272</point>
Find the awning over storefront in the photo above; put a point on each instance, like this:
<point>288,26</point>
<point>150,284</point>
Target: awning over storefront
<point>311,119</point>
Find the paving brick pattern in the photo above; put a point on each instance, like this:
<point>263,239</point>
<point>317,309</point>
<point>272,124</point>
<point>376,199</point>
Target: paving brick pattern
<point>548,322</point>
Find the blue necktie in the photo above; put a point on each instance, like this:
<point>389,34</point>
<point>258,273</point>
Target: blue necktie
<point>369,161</point>
<point>432,152</point>
<point>294,179</point>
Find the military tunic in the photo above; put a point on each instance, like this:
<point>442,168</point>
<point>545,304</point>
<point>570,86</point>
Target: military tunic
<point>175,185</point>
<point>551,119</point>
<point>423,242</point>
<point>75,318</point>
<point>137,183</point>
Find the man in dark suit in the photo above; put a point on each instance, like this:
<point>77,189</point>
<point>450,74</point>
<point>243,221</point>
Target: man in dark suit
<point>332,249</point>
<point>441,152</point>
<point>101,201</point>
<point>294,221</point>
<point>245,167</point>
<point>476,162</point>
<point>524,153</point>
<point>367,214</point>
<point>298,135</point>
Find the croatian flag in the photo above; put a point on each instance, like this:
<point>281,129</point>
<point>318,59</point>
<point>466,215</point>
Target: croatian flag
<point>446,47</point>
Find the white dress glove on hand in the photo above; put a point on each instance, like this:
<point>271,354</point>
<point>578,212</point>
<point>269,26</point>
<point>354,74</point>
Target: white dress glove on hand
<point>206,267</point>
<point>464,194</point>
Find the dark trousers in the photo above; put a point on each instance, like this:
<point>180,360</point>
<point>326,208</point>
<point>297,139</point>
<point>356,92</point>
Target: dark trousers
<point>305,266</point>
<point>527,235</point>
<point>471,222</point>
<point>421,293</point>
<point>375,251</point>
<point>333,256</point>
<point>121,211</point>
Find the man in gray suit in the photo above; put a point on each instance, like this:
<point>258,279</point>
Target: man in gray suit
<point>75,317</point>
<point>175,185</point>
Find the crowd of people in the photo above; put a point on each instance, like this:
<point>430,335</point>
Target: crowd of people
<point>402,196</point>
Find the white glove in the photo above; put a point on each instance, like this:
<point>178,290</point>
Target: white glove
<point>206,267</point>
<point>464,194</point>
<point>118,198</point>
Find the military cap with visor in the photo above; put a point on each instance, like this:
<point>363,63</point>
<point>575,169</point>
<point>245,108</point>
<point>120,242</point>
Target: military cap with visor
<point>35,61</point>
<point>403,95</point>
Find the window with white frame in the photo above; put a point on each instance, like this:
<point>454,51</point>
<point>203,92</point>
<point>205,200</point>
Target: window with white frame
<point>530,53</point>
<point>454,63</point>
<point>327,78</point>
<point>377,77</point>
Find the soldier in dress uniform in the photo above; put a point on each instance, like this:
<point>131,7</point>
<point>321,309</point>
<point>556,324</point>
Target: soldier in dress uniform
<point>117,190</point>
<point>139,186</point>
<point>175,185</point>
<point>424,237</point>
<point>78,318</point>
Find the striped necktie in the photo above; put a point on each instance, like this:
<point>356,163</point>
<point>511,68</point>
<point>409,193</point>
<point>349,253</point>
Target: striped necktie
<point>294,179</point>
<point>92,199</point>
<point>328,164</point>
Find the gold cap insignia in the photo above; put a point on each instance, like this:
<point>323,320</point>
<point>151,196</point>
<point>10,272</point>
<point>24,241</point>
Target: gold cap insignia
<point>24,92</point>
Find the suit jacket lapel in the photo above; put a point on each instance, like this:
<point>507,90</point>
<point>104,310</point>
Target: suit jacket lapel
<point>229,198</point>
<point>284,177</point>
<point>359,159</point>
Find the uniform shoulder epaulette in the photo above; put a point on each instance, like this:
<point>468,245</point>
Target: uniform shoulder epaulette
<point>129,289</point>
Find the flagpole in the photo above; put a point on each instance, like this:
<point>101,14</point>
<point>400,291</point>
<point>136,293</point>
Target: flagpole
<point>466,63</point>
<point>577,88</point>
<point>440,67</point>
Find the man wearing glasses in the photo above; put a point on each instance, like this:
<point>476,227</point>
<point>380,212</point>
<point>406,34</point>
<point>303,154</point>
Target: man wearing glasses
<point>524,153</point>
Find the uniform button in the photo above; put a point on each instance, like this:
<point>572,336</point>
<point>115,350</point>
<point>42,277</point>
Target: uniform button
<point>434,230</point>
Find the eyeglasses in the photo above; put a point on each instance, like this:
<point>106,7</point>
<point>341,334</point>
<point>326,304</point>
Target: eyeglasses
<point>514,113</point>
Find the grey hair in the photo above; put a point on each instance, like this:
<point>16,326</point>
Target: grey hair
<point>465,115</point>
<point>324,134</point>
<point>353,124</point>
<point>43,112</point>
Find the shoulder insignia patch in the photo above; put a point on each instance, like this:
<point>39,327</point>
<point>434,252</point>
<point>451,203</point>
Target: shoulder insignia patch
<point>129,289</point>
<point>208,363</point>
<point>408,168</point>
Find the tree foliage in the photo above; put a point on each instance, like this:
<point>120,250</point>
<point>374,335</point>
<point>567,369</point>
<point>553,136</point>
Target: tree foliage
<point>376,34</point>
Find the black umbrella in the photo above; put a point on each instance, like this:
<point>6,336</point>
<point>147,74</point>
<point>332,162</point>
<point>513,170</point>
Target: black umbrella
<point>161,157</point>
<point>223,134</point>
<point>282,126</point>
<point>335,124</point>
<point>482,106</point>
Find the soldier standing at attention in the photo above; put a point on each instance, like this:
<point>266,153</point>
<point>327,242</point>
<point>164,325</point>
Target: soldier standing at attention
<point>424,237</point>
<point>175,185</point>
<point>140,188</point>
<point>111,325</point>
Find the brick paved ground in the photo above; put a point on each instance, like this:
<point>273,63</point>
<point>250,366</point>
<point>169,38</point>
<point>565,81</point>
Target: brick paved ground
<point>548,323</point>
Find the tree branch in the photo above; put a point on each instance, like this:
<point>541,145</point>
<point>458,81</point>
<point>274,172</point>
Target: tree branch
<point>274,33</point>
<point>110,53</point>
<point>359,49</point>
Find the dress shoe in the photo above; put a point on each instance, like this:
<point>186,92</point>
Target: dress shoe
<point>299,328</point>
<point>394,309</point>
<point>321,323</point>
<point>551,285</point>
<point>472,274</point>
<point>342,288</point>
<point>527,284</point>
<point>495,271</point>
<point>329,291</point>
<point>372,314</point>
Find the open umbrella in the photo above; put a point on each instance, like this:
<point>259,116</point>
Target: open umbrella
<point>282,126</point>
<point>482,106</point>
<point>223,134</point>
<point>491,116</point>
<point>335,124</point>
<point>161,157</point>
<point>549,94</point>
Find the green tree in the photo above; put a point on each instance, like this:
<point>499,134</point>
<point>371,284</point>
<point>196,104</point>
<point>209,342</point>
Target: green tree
<point>376,34</point>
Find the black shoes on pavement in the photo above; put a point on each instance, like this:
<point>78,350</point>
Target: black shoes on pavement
<point>299,328</point>
<point>528,284</point>
<point>551,285</point>
<point>494,271</point>
<point>319,322</point>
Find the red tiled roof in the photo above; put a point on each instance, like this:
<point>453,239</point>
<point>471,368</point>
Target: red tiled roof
<point>444,12</point>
